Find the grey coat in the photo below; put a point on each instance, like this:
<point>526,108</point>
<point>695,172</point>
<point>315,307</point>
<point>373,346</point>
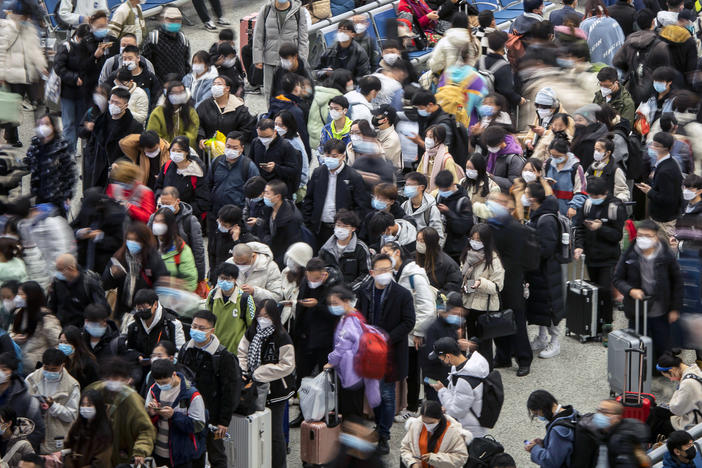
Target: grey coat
<point>268,35</point>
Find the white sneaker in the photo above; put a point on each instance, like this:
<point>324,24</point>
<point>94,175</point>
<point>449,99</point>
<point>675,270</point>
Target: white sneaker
<point>539,343</point>
<point>552,349</point>
<point>404,416</point>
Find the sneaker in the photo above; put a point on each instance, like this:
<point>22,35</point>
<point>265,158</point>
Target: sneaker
<point>383,447</point>
<point>539,343</point>
<point>405,415</point>
<point>253,89</point>
<point>553,349</point>
<point>210,26</point>
<point>223,22</point>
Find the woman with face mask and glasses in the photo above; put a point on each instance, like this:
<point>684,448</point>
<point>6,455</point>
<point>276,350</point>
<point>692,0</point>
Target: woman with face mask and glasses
<point>176,115</point>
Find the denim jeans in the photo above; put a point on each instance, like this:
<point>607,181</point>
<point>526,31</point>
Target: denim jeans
<point>385,412</point>
<point>72,111</point>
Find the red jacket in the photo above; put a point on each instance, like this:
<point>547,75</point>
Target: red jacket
<point>139,200</point>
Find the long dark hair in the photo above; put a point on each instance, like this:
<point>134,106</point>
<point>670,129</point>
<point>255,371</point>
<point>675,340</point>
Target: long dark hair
<point>169,111</point>
<point>36,300</point>
<point>272,310</point>
<point>338,80</point>
<point>172,237</point>
<point>290,123</point>
<point>480,164</point>
<point>485,234</point>
<point>145,238</point>
<point>89,436</point>
<point>77,362</point>
<point>432,407</point>
<point>430,257</point>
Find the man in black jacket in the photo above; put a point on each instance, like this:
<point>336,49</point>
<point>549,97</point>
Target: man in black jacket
<point>102,336</point>
<point>150,324</point>
<point>345,251</point>
<point>457,211</point>
<point>333,186</point>
<point>665,192</point>
<point>497,64</point>
<point>625,14</point>
<point>15,394</point>
<point>167,47</point>
<point>72,290</point>
<point>648,271</point>
<point>597,235</point>
<point>276,157</point>
<point>282,221</point>
<point>430,113</point>
<point>230,232</point>
<point>217,377</point>
<point>390,307</point>
<point>346,53</point>
<point>224,112</point>
<point>290,62</point>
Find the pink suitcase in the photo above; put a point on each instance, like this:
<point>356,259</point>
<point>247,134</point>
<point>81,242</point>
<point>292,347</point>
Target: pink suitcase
<point>248,21</point>
<point>319,440</point>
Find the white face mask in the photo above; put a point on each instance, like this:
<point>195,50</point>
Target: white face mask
<point>229,63</point>
<point>525,200</point>
<point>429,143</point>
<point>130,65</point>
<point>286,64</point>
<point>198,68</point>
<point>115,109</point>
<point>217,91</point>
<point>88,412</point>
<point>265,141</point>
<point>342,233</point>
<point>494,149</point>
<point>598,155</point>
<point>336,114</point>
<point>152,154</point>
<point>4,377</point>
<point>383,279</point>
<point>44,130</point>
<point>231,154</point>
<point>528,176</point>
<point>243,268</point>
<point>391,58</point>
<point>314,284</point>
<point>264,322</point>
<point>645,243</point>
<point>159,229</point>
<point>350,88</point>
<point>543,113</point>
<point>342,36</point>
<point>281,131</point>
<point>688,194</point>
<point>605,91</point>
<point>472,174</point>
<point>178,99</point>
<point>360,28</point>
<point>431,427</point>
<point>476,245</point>
<point>421,247</point>
<point>177,157</point>
<point>114,385</point>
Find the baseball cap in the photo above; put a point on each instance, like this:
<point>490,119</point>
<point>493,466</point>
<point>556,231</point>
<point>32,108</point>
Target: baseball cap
<point>445,345</point>
<point>386,110</point>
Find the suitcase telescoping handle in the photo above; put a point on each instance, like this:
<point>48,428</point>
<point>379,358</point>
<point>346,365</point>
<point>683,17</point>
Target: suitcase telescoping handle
<point>645,315</point>
<point>333,384</point>
<point>582,270</point>
<point>628,390</point>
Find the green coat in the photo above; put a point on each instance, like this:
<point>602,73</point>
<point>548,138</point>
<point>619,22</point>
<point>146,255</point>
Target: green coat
<point>620,102</point>
<point>231,323</point>
<point>157,123</point>
<point>133,434</point>
<point>186,270</point>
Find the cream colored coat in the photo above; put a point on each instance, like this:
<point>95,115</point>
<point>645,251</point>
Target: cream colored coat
<point>45,336</point>
<point>21,59</point>
<point>452,452</point>
<point>491,282</point>
<point>686,403</point>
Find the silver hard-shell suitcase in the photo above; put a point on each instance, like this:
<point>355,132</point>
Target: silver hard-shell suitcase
<point>621,340</point>
<point>250,443</point>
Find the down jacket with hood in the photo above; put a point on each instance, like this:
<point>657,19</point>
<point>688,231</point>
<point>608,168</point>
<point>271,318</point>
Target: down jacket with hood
<point>319,112</point>
<point>234,116</point>
<point>268,35</point>
<point>460,399</point>
<point>638,43</point>
<point>681,50</point>
<point>507,164</point>
<point>448,50</point>
<point>17,397</point>
<point>263,275</point>
<point>453,450</point>
<point>193,183</point>
<point>426,215</point>
<point>22,60</point>
<point>415,280</point>
<point>200,88</point>
<point>138,103</point>
<point>19,438</point>
<point>359,107</point>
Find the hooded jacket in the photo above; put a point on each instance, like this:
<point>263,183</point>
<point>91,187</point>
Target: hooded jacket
<point>570,186</point>
<point>604,37</point>
<point>149,166</point>
<point>486,296</point>
<point>234,117</point>
<point>138,103</point>
<point>413,278</point>
<point>682,50</point>
<point>460,399</point>
<point>602,245</point>
<point>426,215</point>
<point>359,107</point>
<point>17,396</point>
<point>193,183</point>
<point>22,60</point>
<point>354,59</point>
<point>557,447</point>
<point>269,35</point>
<point>508,163</point>
<point>200,88</point>
<point>639,44</point>
<point>353,262</point>
<point>19,438</point>
<point>448,50</point>
<point>452,451</point>
<point>264,274</point>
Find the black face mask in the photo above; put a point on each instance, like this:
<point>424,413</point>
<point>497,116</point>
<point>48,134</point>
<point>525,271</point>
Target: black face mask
<point>376,121</point>
<point>142,313</point>
<point>690,453</point>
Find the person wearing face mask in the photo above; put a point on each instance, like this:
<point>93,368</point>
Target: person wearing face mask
<point>389,306</point>
<point>530,173</point>
<point>224,112</point>
<point>333,186</point>
<point>15,430</point>
<point>587,131</point>
<point>566,177</point>
<point>90,438</point>
<point>178,411</point>
<point>547,107</point>
<point>59,395</point>
<point>557,445</point>
<point>290,101</point>
<point>420,205</point>
<point>344,250</point>
<point>8,291</point>
<point>686,403</point>
<point>126,190</point>
<point>230,231</point>
<point>259,275</point>
<point>138,100</point>
<point>456,211</point>
<point>286,126</point>
<point>217,377</point>
<point>682,450</point>
<point>167,47</point>
<point>72,289</point>
<point>276,157</point>
<point>148,151</point>
<point>434,438</point>
<point>102,148</point>
<point>561,126</point>
<point>360,102</point>
<point>690,220</point>
<point>504,156</point>
<point>612,93</point>
<point>290,62</point>
<point>335,85</point>
<point>383,228</point>
<point>660,98</point>
<point>493,111</point>
<point>175,252</point>
<point>133,433</point>
<point>283,223</point>
<point>357,449</point>
<point>112,64</point>
<point>384,119</point>
<point>477,183</point>
<point>229,66</point>
<point>436,157</point>
<point>364,39</point>
<point>199,81</point>
<point>101,335</point>
<point>296,257</point>
<point>80,362</point>
<point>649,271</point>
<point>267,357</point>
<point>176,116</point>
<point>345,53</point>
<point>339,127</point>
<point>606,167</point>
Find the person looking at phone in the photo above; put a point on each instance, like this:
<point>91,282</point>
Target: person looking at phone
<point>259,275</point>
<point>556,447</point>
<point>276,157</point>
<point>233,307</point>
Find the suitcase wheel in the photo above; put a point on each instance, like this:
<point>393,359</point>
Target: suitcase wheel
<point>583,339</point>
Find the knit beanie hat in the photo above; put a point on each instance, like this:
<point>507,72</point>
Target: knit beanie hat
<point>546,97</point>
<point>588,112</point>
<point>300,253</point>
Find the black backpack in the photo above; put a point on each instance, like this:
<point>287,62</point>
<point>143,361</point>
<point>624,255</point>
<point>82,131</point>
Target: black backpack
<point>460,143</point>
<point>482,450</point>
<point>639,78</point>
<point>635,164</point>
<point>493,396</point>
<point>531,258</point>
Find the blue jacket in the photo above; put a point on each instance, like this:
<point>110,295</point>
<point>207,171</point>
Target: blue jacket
<point>558,442</point>
<point>227,181</point>
<point>670,462</point>
<point>570,187</point>
<point>186,441</point>
<point>341,6</point>
<point>557,16</point>
<point>604,37</point>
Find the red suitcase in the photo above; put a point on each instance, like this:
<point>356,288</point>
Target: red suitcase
<point>319,440</point>
<point>637,405</point>
<point>246,28</point>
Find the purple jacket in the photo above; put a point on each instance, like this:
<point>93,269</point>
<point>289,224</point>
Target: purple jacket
<point>346,339</point>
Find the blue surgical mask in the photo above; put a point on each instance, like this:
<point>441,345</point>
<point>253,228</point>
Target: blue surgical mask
<point>601,421</point>
<point>541,418</point>
<point>225,285</point>
<point>172,27</point>
<point>365,147</point>
<point>66,349</point>
<point>134,247</point>
<point>498,211</point>
<point>337,310</point>
<point>198,336</point>
<point>100,33</point>
<point>455,320</point>
<point>378,205</point>
<point>652,152</point>
<point>268,202</point>
<point>257,199</point>
<point>485,110</point>
<point>331,163</point>
<point>558,160</point>
<point>565,63</point>
<point>659,86</point>
<point>51,376</point>
<point>423,113</point>
<point>94,330</point>
<point>221,228</point>
<point>446,193</point>
<point>165,387</point>
<point>356,443</point>
<point>597,201</point>
<point>60,276</point>
<point>410,191</point>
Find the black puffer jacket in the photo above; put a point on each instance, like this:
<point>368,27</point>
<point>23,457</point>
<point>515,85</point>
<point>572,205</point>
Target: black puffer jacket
<point>601,247</point>
<point>353,263</point>
<point>446,276</point>
<point>53,171</point>
<point>283,231</point>
<point>73,61</point>
<point>314,326</point>
<point>169,53</point>
<point>621,440</point>
<point>234,117</point>
<point>353,59</point>
<point>583,144</point>
<point>545,302</point>
<point>68,300</point>
<point>459,221</point>
<point>193,189</point>
<point>288,163</point>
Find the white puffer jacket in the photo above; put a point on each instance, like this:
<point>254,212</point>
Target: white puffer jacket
<point>448,50</point>
<point>460,398</point>
<point>452,452</point>
<point>423,295</point>
<point>21,59</point>
<point>264,275</point>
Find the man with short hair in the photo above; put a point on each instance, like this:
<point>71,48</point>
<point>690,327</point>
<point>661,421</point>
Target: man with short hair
<point>360,107</point>
<point>234,308</point>
<point>276,157</point>
<point>613,93</point>
<point>486,25</point>
<point>496,63</point>
<point>389,306</point>
<point>59,395</point>
<point>339,126</point>
<point>669,16</point>
<point>681,450</point>
<point>463,398</point>
<point>259,275</point>
<point>225,113</point>
<point>533,11</point>
<point>558,16</point>
<point>133,434</point>
<point>345,251</point>
<point>282,221</point>
<point>345,53</point>
<point>99,332</point>
<point>624,12</point>
<point>167,47</point>
<point>384,118</point>
<point>115,62</point>
<point>421,206</point>
<point>148,151</point>
<point>665,192</point>
<point>431,113</point>
<point>290,62</point>
<point>217,377</point>
<point>457,211</point>
<point>229,232</point>
<point>150,323</point>
<point>369,44</point>
<point>72,290</point>
<point>383,227</point>
<point>143,77</point>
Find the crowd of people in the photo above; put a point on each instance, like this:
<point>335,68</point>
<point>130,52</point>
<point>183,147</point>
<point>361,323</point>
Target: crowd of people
<point>374,193</point>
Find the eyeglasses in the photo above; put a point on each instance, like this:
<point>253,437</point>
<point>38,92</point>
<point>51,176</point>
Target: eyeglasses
<point>197,327</point>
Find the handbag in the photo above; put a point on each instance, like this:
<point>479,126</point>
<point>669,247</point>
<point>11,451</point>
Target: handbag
<point>319,10</point>
<point>496,324</point>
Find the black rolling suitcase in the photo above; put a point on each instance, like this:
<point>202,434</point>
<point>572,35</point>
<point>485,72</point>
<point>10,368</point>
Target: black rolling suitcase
<point>582,307</point>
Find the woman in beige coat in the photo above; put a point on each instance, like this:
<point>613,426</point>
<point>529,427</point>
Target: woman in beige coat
<point>483,278</point>
<point>33,327</point>
<point>434,438</point>
<point>686,402</point>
